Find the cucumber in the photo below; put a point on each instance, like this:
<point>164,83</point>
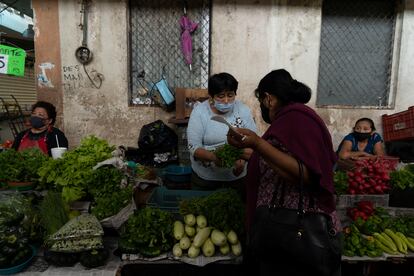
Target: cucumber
<point>208,248</point>
<point>201,236</point>
<point>218,237</point>
<point>178,230</point>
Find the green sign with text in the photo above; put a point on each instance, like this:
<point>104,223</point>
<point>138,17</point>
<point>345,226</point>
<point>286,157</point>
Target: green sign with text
<point>12,60</point>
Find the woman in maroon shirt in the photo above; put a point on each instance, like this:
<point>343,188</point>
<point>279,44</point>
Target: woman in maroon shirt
<point>295,133</point>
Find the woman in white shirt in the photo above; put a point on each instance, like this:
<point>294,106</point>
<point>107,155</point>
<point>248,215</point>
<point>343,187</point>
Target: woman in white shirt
<point>205,135</point>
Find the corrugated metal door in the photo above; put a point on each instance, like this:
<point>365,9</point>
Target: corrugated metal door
<point>23,88</point>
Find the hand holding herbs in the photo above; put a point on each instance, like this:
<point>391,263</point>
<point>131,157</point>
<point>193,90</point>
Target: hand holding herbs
<point>228,155</point>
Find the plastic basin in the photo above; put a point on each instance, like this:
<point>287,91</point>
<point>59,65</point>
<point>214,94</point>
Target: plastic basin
<point>20,267</point>
<point>177,173</point>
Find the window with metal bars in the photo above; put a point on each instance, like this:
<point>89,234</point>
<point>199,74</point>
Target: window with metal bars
<point>356,53</point>
<point>156,51</point>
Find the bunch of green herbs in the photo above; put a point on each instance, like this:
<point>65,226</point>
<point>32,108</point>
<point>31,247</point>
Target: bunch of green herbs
<point>403,178</point>
<point>149,230</point>
<point>341,182</point>
<point>53,212</point>
<point>228,155</point>
<point>21,166</point>
<point>109,195</point>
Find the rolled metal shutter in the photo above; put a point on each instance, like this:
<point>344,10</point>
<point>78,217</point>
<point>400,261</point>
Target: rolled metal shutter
<point>23,88</point>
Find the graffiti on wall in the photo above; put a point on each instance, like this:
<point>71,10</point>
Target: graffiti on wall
<point>42,77</point>
<point>73,79</point>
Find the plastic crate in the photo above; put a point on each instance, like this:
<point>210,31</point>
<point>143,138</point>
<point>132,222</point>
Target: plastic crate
<point>399,126</point>
<point>169,200</point>
<point>397,212</point>
<point>344,201</point>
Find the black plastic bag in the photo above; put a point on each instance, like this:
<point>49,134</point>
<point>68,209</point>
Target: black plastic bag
<point>157,136</point>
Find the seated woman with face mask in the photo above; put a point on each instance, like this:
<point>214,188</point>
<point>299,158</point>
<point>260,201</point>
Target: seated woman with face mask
<point>42,134</point>
<point>205,135</point>
<point>362,143</point>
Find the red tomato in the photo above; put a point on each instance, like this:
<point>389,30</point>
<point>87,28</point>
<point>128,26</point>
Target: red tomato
<point>7,144</point>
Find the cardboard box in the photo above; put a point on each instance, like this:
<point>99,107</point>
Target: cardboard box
<point>185,98</point>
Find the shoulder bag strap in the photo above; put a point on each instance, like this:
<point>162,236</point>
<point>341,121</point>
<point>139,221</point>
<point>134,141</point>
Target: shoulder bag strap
<point>301,188</point>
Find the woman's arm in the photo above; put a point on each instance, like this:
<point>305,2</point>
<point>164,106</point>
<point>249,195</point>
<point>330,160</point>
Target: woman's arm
<point>346,150</point>
<point>205,155</point>
<point>195,132</point>
<point>347,153</point>
<point>284,164</point>
<point>379,149</point>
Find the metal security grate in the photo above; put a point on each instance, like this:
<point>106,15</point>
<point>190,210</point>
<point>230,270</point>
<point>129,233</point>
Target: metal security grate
<point>156,46</point>
<point>357,39</point>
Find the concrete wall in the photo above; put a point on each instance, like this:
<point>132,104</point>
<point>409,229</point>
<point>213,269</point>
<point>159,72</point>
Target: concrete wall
<point>249,38</point>
<point>102,112</point>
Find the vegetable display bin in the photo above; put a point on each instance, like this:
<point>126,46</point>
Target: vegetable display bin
<point>344,201</point>
<point>20,267</point>
<point>20,186</point>
<point>169,200</point>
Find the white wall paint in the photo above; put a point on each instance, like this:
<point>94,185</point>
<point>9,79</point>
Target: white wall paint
<point>249,38</point>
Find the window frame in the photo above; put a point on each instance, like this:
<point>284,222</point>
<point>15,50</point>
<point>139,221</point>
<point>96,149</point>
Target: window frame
<point>394,68</point>
<point>130,62</point>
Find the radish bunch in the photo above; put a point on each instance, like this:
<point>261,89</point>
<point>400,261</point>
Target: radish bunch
<point>370,176</point>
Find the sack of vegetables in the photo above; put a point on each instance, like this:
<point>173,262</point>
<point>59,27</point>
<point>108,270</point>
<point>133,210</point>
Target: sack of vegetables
<point>79,234</point>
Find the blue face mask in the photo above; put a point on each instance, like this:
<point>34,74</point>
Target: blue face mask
<point>224,107</point>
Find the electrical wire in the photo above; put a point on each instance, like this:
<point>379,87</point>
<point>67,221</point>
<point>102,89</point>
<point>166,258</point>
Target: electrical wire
<point>98,75</point>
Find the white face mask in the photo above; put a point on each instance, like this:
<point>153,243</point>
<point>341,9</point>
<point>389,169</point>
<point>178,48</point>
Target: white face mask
<point>224,107</point>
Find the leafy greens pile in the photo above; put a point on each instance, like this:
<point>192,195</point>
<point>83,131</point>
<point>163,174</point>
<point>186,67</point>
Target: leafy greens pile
<point>148,231</point>
<point>21,165</point>
<point>109,197</point>
<point>403,178</point>
<point>73,173</point>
